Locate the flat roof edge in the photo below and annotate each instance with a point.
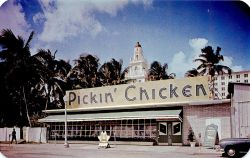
(140, 106)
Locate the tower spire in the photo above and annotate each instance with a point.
(138, 67)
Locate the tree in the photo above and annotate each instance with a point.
(192, 73)
(85, 72)
(20, 72)
(159, 72)
(210, 64)
(54, 84)
(110, 73)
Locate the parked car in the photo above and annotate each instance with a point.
(232, 147)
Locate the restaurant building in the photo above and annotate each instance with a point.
(157, 111)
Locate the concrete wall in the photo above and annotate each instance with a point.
(199, 116)
(36, 134)
(241, 111)
(6, 132)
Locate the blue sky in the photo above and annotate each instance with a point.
(171, 32)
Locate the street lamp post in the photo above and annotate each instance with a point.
(66, 144)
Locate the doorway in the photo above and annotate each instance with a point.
(169, 132)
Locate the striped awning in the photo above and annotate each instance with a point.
(153, 114)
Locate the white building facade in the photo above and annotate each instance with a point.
(138, 66)
(240, 110)
(221, 82)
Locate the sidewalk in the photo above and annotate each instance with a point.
(137, 146)
(90, 150)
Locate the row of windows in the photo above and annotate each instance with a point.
(222, 88)
(223, 83)
(121, 129)
(230, 76)
(222, 94)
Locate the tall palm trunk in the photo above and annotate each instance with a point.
(212, 86)
(26, 106)
(47, 101)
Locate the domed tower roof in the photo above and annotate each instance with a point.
(137, 44)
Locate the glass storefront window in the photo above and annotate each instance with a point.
(142, 129)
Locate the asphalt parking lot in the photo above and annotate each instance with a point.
(92, 150)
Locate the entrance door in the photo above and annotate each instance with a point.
(169, 132)
(176, 132)
(163, 135)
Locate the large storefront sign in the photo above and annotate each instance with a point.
(163, 91)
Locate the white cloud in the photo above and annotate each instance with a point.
(65, 18)
(182, 62)
(236, 68)
(2, 1)
(38, 18)
(111, 7)
(228, 61)
(197, 44)
(146, 3)
(12, 17)
(179, 64)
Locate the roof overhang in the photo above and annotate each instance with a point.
(173, 115)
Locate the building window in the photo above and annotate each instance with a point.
(222, 83)
(176, 126)
(238, 81)
(223, 88)
(139, 129)
(245, 75)
(245, 81)
(237, 76)
(223, 94)
(230, 76)
(222, 77)
(215, 78)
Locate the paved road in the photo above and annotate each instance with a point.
(116, 151)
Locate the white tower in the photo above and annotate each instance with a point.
(138, 67)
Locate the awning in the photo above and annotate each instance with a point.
(159, 114)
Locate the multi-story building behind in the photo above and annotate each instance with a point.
(221, 82)
(138, 66)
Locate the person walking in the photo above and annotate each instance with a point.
(13, 135)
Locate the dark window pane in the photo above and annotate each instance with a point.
(163, 129)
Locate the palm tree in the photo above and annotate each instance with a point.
(85, 72)
(105, 74)
(192, 73)
(159, 72)
(28, 80)
(54, 84)
(110, 73)
(210, 64)
(17, 62)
